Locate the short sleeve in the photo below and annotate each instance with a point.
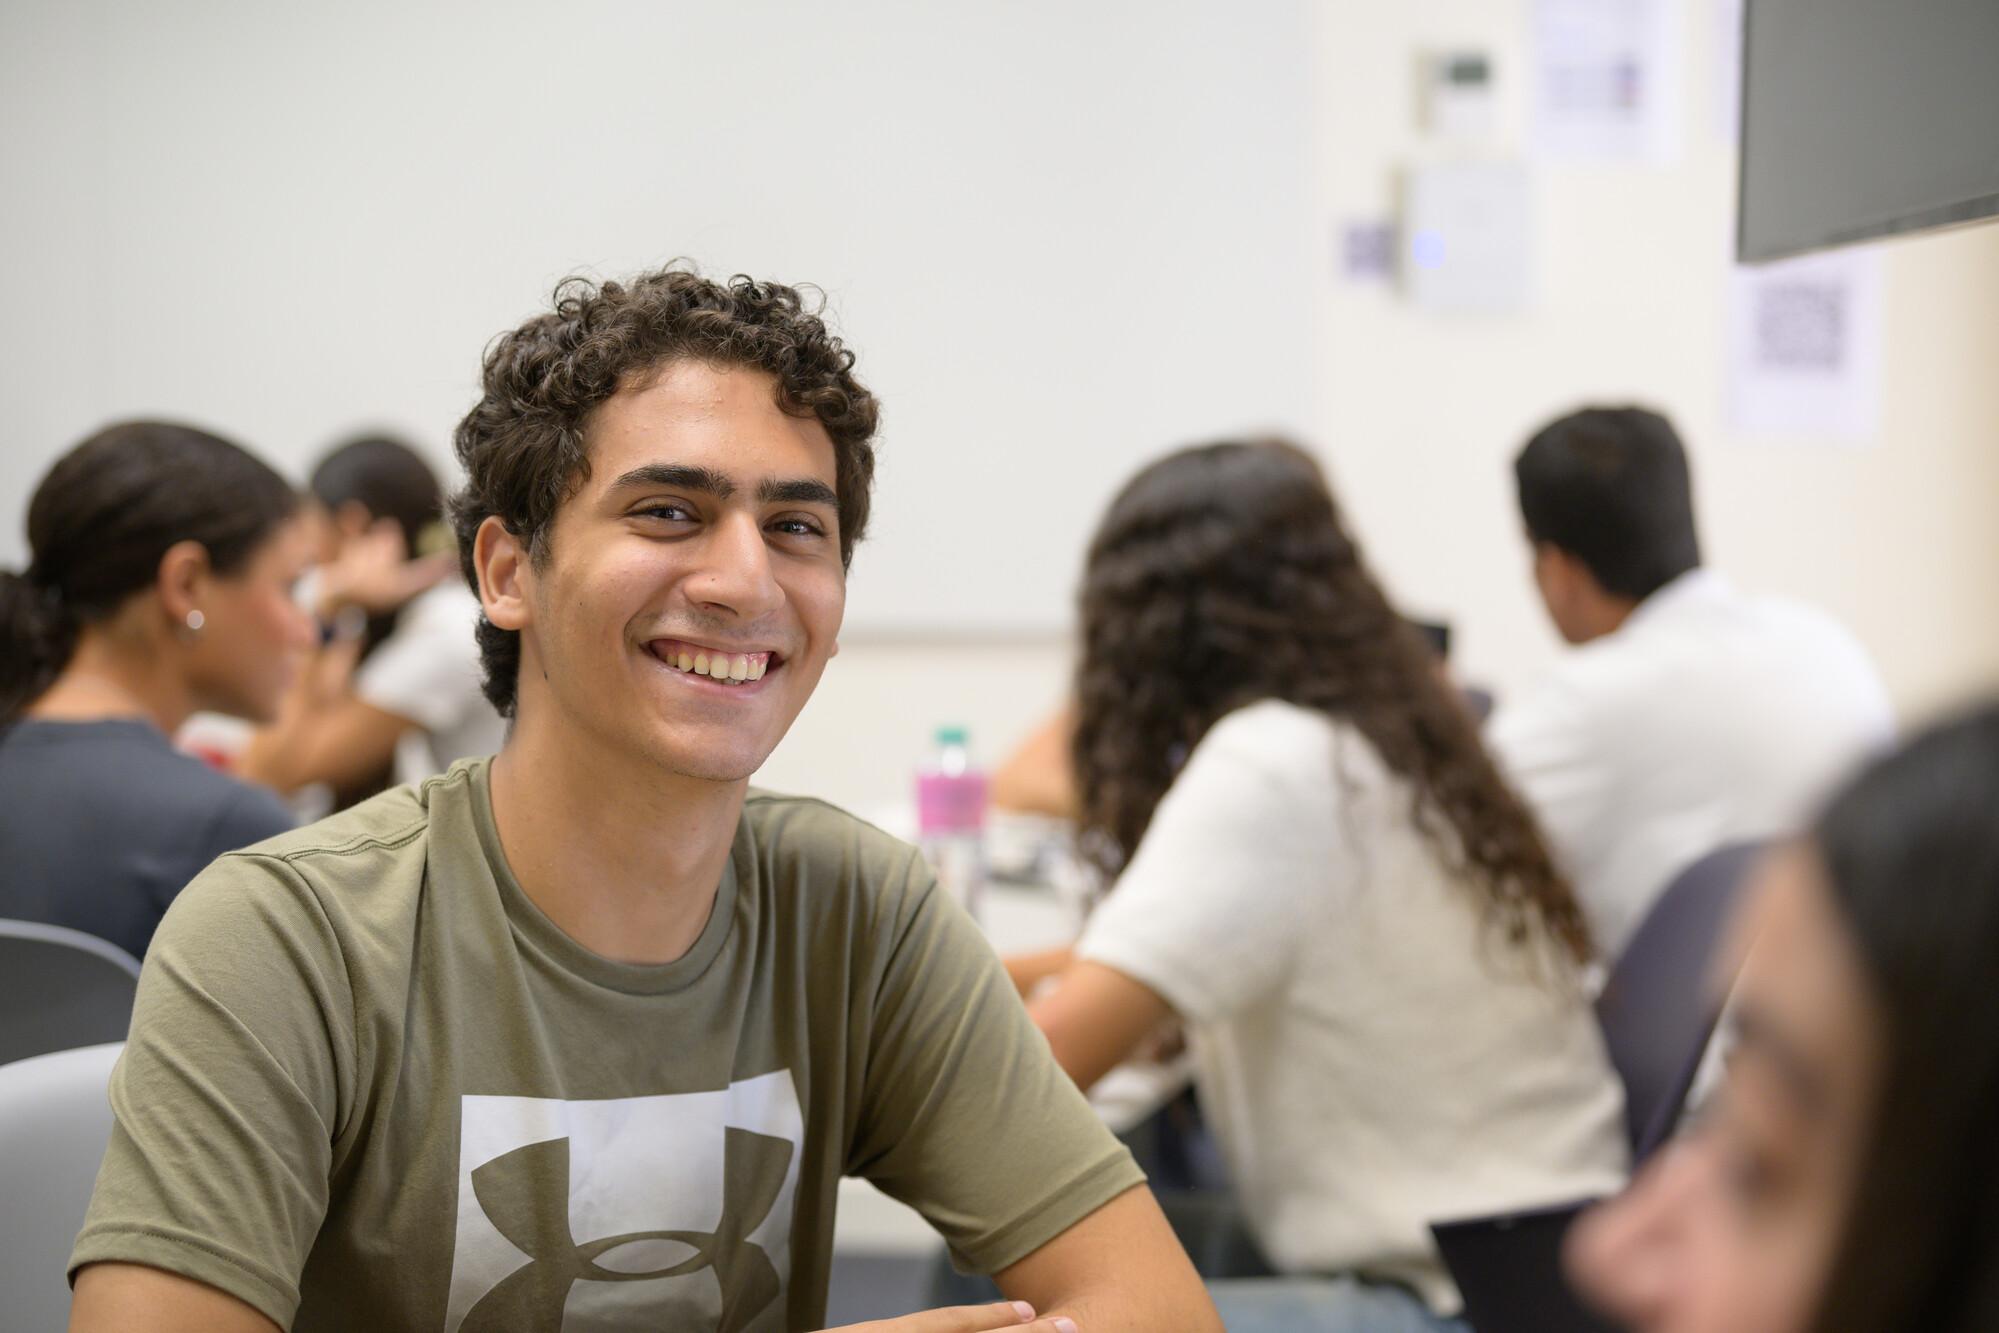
(965, 1115)
(427, 671)
(1242, 856)
(230, 1092)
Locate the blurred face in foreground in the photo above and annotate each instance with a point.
(1733, 1228)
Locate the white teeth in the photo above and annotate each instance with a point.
(729, 670)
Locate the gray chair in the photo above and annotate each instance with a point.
(55, 1119)
(61, 988)
(1656, 1010)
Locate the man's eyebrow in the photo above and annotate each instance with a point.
(678, 476)
(801, 490)
(1755, 1033)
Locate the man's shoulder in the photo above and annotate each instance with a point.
(359, 861)
(792, 827)
(810, 851)
(395, 820)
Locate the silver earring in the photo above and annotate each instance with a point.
(195, 620)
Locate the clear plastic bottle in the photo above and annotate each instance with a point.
(951, 818)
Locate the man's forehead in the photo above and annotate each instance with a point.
(724, 420)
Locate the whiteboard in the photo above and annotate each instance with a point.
(1062, 237)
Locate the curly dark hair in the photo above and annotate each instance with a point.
(1221, 576)
(523, 444)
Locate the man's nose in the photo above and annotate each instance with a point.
(735, 574)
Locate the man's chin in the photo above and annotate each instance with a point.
(707, 765)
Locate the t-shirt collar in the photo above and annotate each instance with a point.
(533, 928)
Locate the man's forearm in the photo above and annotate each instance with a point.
(1119, 1270)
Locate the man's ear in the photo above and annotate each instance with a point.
(182, 579)
(501, 561)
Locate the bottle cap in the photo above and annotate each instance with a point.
(951, 735)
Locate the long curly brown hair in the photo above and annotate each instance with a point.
(1221, 576)
(522, 445)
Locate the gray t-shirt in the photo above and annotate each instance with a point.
(103, 823)
(370, 1086)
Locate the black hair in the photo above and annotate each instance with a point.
(387, 478)
(1910, 851)
(1610, 486)
(99, 523)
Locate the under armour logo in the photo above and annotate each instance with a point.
(626, 1213)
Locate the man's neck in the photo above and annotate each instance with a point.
(625, 859)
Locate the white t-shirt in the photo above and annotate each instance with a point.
(1372, 1055)
(1707, 718)
(427, 671)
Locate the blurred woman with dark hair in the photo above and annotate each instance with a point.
(1847, 1177)
(162, 566)
(1318, 871)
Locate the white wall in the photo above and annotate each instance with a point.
(1043, 226)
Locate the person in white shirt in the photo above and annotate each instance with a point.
(416, 701)
(1320, 874)
(1690, 715)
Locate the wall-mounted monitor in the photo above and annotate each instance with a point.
(1864, 118)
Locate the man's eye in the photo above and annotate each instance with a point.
(672, 513)
(799, 527)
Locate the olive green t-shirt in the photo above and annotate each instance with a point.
(370, 1085)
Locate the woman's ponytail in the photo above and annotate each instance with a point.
(37, 636)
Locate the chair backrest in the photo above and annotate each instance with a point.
(55, 1119)
(61, 988)
(1657, 1009)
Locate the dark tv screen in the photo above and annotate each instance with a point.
(1864, 118)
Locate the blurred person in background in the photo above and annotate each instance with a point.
(162, 569)
(1689, 716)
(1318, 872)
(1846, 1179)
(415, 703)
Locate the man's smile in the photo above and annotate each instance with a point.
(735, 667)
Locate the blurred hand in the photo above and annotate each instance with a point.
(374, 573)
(1015, 1315)
(323, 684)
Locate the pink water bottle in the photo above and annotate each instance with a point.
(951, 818)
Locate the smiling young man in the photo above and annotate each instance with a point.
(584, 1037)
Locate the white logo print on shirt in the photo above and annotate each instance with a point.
(626, 1213)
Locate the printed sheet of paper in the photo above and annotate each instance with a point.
(1804, 347)
(1607, 76)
